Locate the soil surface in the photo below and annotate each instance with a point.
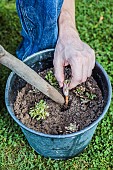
(85, 106)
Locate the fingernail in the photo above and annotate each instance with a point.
(60, 84)
(71, 86)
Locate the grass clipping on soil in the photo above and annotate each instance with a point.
(85, 106)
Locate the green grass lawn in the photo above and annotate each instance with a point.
(15, 152)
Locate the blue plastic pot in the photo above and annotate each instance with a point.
(58, 146)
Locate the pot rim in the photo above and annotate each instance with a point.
(49, 135)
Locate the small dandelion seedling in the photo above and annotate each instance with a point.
(73, 127)
(51, 78)
(85, 95)
(39, 111)
(90, 95)
(79, 91)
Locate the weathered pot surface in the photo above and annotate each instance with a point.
(58, 146)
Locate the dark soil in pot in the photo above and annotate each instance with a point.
(85, 106)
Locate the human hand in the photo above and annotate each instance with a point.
(70, 50)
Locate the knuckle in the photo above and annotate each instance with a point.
(79, 59)
(93, 52)
(86, 60)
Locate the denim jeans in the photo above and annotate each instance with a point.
(39, 21)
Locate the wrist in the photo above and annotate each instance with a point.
(66, 16)
(66, 24)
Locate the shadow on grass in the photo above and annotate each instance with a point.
(9, 39)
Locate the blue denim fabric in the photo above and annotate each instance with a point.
(39, 25)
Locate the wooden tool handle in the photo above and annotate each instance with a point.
(29, 75)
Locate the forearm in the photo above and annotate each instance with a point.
(67, 16)
(70, 50)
